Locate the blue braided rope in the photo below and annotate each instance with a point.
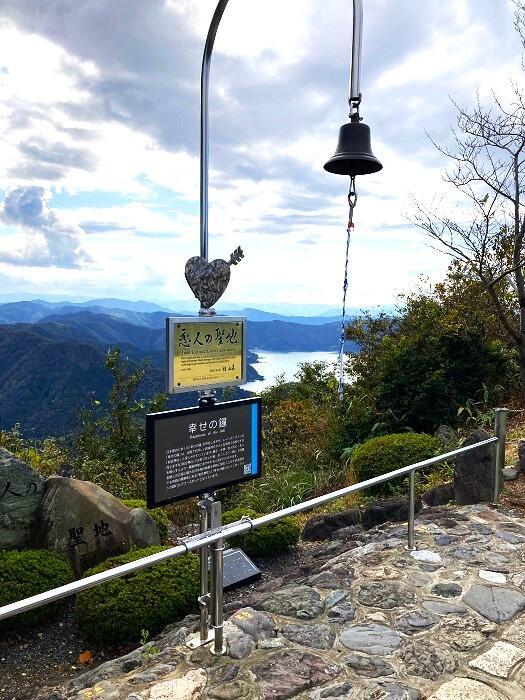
(352, 201)
(343, 318)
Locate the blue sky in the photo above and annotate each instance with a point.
(99, 115)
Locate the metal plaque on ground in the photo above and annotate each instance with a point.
(192, 451)
(205, 353)
(239, 569)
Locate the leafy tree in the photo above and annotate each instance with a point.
(485, 235)
(303, 442)
(113, 433)
(314, 381)
(420, 367)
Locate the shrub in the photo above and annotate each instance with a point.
(304, 431)
(267, 541)
(158, 515)
(116, 612)
(26, 573)
(388, 452)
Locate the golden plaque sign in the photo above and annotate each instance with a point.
(205, 353)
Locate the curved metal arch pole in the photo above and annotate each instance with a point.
(354, 98)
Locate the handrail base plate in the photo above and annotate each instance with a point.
(195, 641)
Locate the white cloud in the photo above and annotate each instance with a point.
(99, 101)
(47, 242)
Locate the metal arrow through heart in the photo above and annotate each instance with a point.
(208, 280)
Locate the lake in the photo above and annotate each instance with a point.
(272, 364)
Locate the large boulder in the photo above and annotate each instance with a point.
(389, 510)
(321, 527)
(82, 521)
(21, 490)
(474, 472)
(439, 495)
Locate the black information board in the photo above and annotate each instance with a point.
(192, 451)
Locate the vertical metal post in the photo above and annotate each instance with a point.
(354, 96)
(411, 510)
(205, 137)
(217, 562)
(205, 505)
(204, 553)
(354, 99)
(500, 431)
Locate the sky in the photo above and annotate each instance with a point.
(99, 123)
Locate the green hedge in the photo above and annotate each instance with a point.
(266, 541)
(388, 452)
(158, 515)
(116, 612)
(26, 573)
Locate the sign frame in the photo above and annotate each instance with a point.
(171, 322)
(152, 418)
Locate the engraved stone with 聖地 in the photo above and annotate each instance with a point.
(21, 490)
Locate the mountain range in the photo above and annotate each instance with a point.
(52, 354)
(33, 311)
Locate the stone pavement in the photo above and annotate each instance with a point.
(363, 619)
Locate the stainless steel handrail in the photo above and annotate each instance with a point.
(245, 525)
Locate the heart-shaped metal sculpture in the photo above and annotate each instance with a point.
(208, 280)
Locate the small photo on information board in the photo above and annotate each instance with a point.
(192, 451)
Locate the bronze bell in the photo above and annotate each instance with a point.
(353, 155)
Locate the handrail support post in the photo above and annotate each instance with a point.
(204, 509)
(217, 573)
(411, 545)
(500, 431)
(204, 504)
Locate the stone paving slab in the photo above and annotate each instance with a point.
(466, 689)
(499, 660)
(515, 634)
(363, 619)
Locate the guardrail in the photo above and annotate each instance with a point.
(216, 536)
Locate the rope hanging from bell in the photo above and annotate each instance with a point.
(352, 201)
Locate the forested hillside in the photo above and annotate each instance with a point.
(52, 356)
(49, 371)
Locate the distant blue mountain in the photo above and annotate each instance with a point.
(140, 306)
(36, 310)
(259, 315)
(188, 306)
(272, 336)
